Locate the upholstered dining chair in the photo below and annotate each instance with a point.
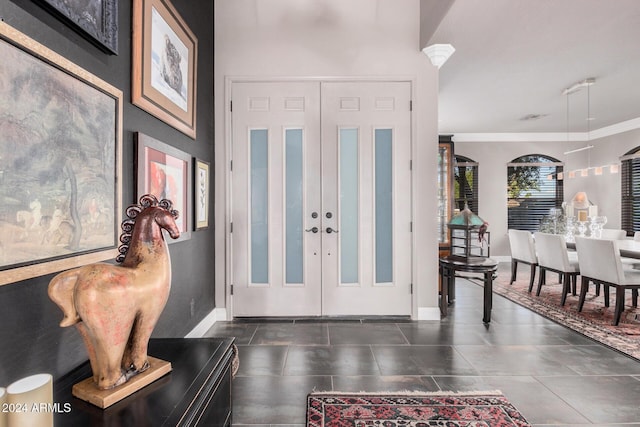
(600, 262)
(554, 256)
(613, 234)
(522, 250)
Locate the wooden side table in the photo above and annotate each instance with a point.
(448, 267)
(197, 392)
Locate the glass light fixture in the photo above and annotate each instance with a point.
(439, 53)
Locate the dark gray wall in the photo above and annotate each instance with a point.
(30, 339)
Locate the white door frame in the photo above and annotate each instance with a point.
(225, 175)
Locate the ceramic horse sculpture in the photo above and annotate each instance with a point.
(116, 307)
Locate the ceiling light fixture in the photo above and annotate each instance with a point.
(439, 53)
(577, 86)
(586, 147)
(588, 82)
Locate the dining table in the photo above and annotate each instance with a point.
(629, 248)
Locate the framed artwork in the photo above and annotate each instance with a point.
(60, 162)
(97, 20)
(164, 60)
(201, 196)
(166, 172)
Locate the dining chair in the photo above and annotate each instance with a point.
(522, 250)
(554, 256)
(600, 262)
(613, 234)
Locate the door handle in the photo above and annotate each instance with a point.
(312, 229)
(331, 230)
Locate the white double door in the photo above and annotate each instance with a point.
(321, 198)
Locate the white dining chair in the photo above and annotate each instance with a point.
(636, 236)
(613, 234)
(522, 250)
(600, 262)
(554, 256)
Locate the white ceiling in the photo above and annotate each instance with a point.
(514, 58)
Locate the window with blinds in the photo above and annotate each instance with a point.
(630, 178)
(534, 186)
(465, 175)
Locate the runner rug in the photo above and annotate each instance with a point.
(412, 409)
(594, 321)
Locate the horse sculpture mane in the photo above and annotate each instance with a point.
(116, 307)
(132, 213)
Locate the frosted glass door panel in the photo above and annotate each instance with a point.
(384, 205)
(294, 206)
(259, 206)
(348, 206)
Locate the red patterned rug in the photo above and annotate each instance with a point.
(412, 409)
(594, 321)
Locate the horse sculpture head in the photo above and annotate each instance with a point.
(151, 212)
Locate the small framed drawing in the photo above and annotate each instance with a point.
(201, 196)
(97, 20)
(166, 172)
(164, 61)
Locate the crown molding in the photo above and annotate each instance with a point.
(615, 129)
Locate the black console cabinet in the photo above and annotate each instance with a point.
(197, 392)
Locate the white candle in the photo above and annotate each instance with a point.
(569, 211)
(29, 402)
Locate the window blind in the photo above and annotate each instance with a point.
(630, 180)
(534, 190)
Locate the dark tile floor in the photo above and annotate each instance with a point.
(554, 376)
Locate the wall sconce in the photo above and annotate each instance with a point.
(438, 53)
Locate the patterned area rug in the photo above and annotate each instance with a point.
(412, 409)
(595, 319)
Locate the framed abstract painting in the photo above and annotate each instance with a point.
(166, 172)
(97, 20)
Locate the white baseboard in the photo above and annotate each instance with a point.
(217, 314)
(428, 313)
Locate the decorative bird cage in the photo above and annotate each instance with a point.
(469, 237)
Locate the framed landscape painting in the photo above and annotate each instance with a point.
(165, 53)
(166, 172)
(60, 162)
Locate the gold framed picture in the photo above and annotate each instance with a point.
(61, 168)
(165, 59)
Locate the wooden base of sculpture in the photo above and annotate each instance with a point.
(88, 391)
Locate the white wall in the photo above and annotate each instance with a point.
(294, 39)
(603, 190)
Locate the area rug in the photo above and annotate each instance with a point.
(412, 409)
(594, 321)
